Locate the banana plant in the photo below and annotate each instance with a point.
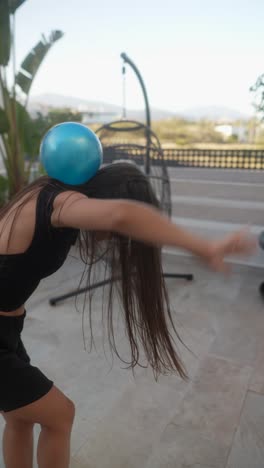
(15, 122)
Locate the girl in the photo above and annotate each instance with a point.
(37, 229)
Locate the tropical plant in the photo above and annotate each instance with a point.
(16, 144)
(258, 89)
(38, 126)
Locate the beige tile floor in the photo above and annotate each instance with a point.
(216, 420)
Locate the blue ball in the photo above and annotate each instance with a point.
(71, 153)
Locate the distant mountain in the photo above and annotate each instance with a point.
(44, 102)
(219, 113)
(57, 100)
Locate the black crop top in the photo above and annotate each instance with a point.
(21, 273)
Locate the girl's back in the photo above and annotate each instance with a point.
(17, 227)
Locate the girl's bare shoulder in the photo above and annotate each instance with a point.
(67, 196)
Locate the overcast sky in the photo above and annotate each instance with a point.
(190, 53)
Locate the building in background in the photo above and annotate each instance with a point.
(233, 130)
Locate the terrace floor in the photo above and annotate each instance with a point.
(215, 420)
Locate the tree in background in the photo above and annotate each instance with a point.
(258, 89)
(186, 132)
(42, 123)
(256, 129)
(16, 126)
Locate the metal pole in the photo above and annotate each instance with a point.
(148, 121)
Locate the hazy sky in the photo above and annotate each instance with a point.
(190, 53)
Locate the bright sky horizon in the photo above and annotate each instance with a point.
(190, 54)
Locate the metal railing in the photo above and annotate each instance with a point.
(207, 158)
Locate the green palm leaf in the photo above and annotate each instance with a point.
(4, 124)
(3, 190)
(14, 4)
(32, 62)
(5, 33)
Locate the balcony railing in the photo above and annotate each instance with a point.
(207, 158)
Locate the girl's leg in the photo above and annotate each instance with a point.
(18, 444)
(55, 413)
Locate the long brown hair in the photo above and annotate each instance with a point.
(133, 268)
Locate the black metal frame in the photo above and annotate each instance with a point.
(124, 150)
(147, 108)
(53, 301)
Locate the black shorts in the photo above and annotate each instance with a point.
(20, 382)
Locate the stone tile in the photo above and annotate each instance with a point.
(78, 438)
(248, 446)
(197, 343)
(214, 302)
(236, 343)
(239, 332)
(257, 380)
(213, 402)
(193, 311)
(186, 448)
(124, 438)
(75, 464)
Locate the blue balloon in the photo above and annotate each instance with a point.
(71, 152)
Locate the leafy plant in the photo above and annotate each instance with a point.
(17, 145)
(258, 89)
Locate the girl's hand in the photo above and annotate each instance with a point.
(238, 243)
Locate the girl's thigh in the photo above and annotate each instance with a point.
(54, 410)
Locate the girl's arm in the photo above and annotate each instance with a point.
(145, 223)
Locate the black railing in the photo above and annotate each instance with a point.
(222, 159)
(207, 158)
